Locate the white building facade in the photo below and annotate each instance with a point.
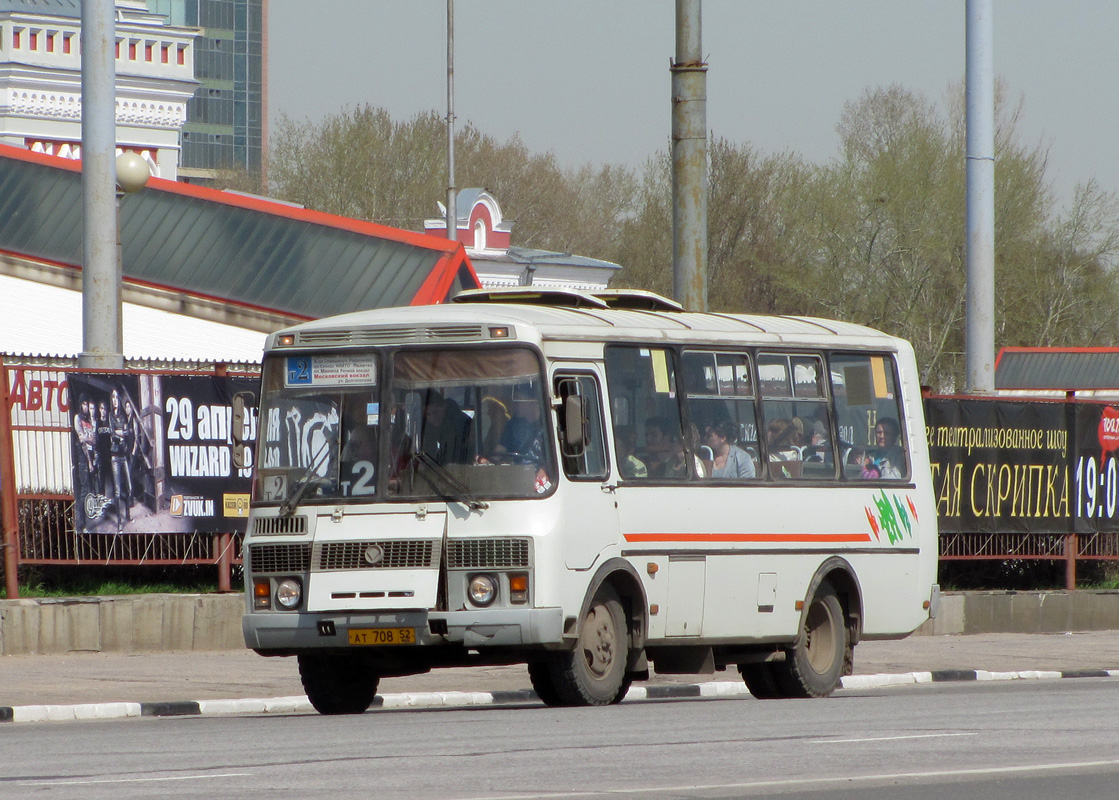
(40, 80)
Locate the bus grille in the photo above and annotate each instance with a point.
(487, 553)
(404, 334)
(272, 526)
(405, 554)
(265, 558)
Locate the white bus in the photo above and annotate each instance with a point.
(591, 485)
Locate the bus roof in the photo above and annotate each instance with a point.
(567, 315)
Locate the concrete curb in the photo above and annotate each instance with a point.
(152, 623)
(426, 700)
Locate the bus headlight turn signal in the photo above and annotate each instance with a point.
(518, 587)
(262, 594)
(289, 593)
(482, 590)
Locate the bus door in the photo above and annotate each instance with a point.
(590, 513)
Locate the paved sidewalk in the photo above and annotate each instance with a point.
(172, 677)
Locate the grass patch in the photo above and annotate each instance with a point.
(97, 581)
(109, 588)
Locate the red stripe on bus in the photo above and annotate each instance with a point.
(747, 537)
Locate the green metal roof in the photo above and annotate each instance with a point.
(1063, 368)
(244, 250)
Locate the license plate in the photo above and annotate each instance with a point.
(379, 636)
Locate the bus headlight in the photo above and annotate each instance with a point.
(289, 592)
(482, 590)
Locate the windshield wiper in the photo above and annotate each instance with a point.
(308, 479)
(461, 494)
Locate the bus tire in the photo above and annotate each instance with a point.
(594, 672)
(761, 680)
(540, 674)
(337, 684)
(814, 665)
(623, 690)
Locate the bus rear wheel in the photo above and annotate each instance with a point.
(594, 672)
(815, 664)
(337, 684)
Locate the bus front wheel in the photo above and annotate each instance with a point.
(761, 680)
(815, 664)
(337, 684)
(594, 672)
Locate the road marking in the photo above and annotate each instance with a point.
(791, 782)
(136, 780)
(893, 738)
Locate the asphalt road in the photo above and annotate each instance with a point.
(981, 741)
(232, 674)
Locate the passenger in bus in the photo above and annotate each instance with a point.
(523, 439)
(780, 436)
(629, 465)
(360, 442)
(730, 460)
(660, 445)
(818, 448)
(798, 437)
(494, 418)
(819, 433)
(676, 466)
(446, 430)
(888, 455)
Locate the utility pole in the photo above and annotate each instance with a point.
(980, 308)
(689, 160)
(102, 346)
(452, 212)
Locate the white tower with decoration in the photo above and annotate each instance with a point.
(487, 238)
(40, 80)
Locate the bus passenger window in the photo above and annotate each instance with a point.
(868, 412)
(798, 428)
(643, 397)
(720, 403)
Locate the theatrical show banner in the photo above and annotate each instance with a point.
(1033, 466)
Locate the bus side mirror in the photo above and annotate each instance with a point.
(242, 402)
(574, 425)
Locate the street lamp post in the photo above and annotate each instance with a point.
(104, 321)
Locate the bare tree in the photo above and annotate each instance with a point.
(874, 236)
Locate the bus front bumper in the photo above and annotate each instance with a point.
(279, 631)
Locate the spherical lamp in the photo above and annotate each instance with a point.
(132, 172)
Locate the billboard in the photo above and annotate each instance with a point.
(1024, 466)
(153, 453)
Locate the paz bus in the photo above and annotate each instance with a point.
(593, 485)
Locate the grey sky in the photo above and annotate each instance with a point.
(589, 81)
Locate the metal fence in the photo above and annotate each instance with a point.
(37, 493)
(36, 479)
(1067, 547)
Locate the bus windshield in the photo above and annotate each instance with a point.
(457, 425)
(468, 423)
(319, 428)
